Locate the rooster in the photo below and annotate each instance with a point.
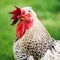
(32, 41)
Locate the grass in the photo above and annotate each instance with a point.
(7, 32)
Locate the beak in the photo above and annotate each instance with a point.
(22, 19)
(14, 22)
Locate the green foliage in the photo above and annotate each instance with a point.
(46, 11)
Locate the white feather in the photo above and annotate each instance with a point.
(53, 55)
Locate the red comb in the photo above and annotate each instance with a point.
(16, 14)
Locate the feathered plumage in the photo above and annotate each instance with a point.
(33, 40)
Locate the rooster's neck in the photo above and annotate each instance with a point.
(42, 30)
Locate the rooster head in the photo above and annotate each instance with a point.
(24, 16)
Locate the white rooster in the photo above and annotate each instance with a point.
(32, 42)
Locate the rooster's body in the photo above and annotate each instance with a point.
(35, 42)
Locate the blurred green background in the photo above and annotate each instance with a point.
(48, 11)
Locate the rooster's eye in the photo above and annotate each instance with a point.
(29, 11)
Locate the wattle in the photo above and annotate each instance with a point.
(22, 27)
